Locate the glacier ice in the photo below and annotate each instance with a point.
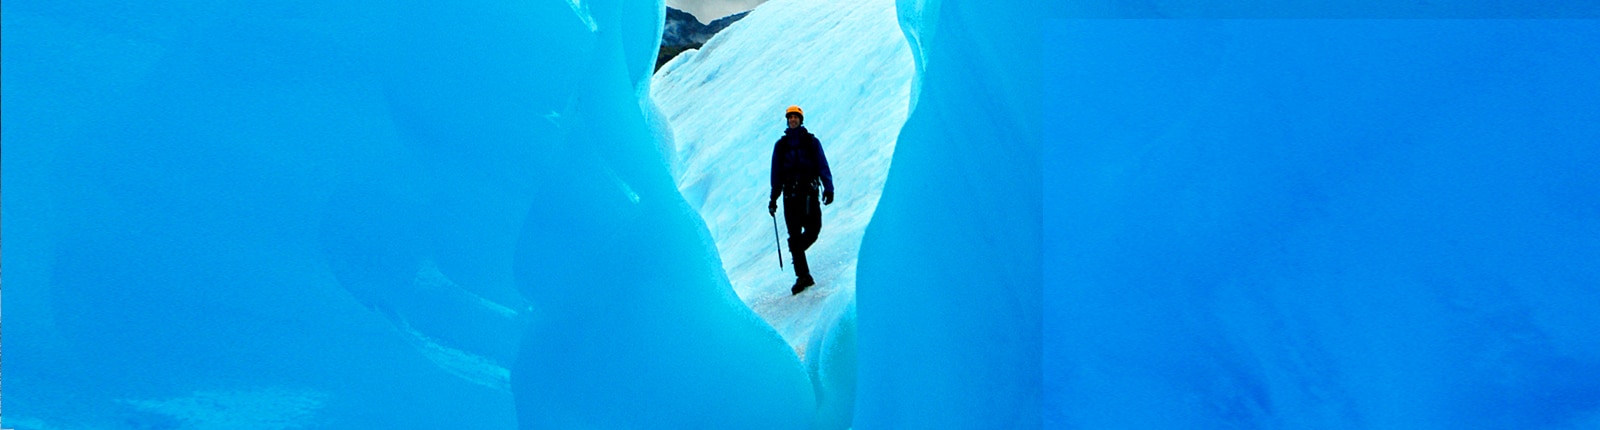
(939, 355)
(846, 64)
(1322, 224)
(637, 326)
(466, 215)
(947, 297)
(176, 207)
(384, 217)
(1319, 9)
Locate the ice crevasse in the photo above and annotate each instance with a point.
(458, 215)
(848, 66)
(956, 284)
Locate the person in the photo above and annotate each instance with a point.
(798, 166)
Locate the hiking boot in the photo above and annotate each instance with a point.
(800, 285)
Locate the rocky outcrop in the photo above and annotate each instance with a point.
(683, 32)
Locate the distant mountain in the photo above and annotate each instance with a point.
(708, 10)
(684, 29)
(683, 32)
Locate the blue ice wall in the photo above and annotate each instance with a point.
(1323, 9)
(1322, 224)
(637, 327)
(948, 281)
(408, 215)
(221, 212)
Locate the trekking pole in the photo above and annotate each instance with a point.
(776, 242)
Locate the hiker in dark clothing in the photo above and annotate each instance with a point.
(798, 165)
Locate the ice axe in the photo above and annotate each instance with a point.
(776, 242)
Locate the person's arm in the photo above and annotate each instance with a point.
(826, 174)
(772, 204)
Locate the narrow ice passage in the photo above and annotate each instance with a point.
(847, 64)
(457, 215)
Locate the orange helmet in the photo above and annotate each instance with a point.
(794, 110)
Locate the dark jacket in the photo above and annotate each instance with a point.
(798, 162)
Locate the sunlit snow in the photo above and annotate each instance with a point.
(848, 66)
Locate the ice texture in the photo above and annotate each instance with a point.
(224, 215)
(465, 215)
(1323, 9)
(947, 294)
(1321, 224)
(636, 324)
(425, 215)
(846, 63)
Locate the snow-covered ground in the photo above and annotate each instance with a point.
(845, 63)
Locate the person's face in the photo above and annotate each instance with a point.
(794, 120)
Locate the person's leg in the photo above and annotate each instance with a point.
(808, 218)
(811, 224)
(795, 218)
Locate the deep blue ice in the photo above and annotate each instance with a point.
(1323, 224)
(457, 215)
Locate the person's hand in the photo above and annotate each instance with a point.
(827, 197)
(772, 207)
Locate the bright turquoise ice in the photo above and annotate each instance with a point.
(459, 215)
(948, 285)
(411, 215)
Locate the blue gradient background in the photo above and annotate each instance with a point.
(1322, 224)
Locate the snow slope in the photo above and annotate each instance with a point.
(848, 66)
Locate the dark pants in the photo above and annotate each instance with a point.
(803, 216)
